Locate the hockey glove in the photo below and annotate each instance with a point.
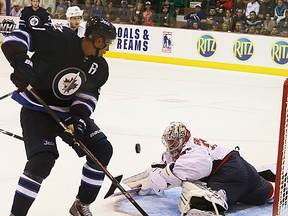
(77, 126)
(139, 181)
(162, 179)
(23, 71)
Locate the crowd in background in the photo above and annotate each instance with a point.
(265, 17)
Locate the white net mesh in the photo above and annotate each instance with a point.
(280, 207)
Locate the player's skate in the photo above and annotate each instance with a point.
(80, 209)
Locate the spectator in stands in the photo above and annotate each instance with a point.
(228, 19)
(215, 26)
(97, 9)
(266, 6)
(239, 28)
(123, 12)
(60, 13)
(86, 15)
(253, 5)
(268, 24)
(16, 9)
(61, 3)
(137, 14)
(87, 7)
(148, 15)
(239, 16)
(253, 21)
(195, 26)
(284, 33)
(194, 16)
(224, 4)
(283, 23)
(238, 4)
(279, 11)
(207, 4)
(166, 17)
(109, 11)
(225, 27)
(274, 31)
(207, 23)
(252, 30)
(75, 3)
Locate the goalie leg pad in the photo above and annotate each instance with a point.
(198, 196)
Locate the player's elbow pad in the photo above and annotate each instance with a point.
(11, 49)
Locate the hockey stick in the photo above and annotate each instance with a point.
(11, 134)
(6, 95)
(87, 151)
(113, 187)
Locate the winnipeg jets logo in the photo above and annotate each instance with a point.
(34, 20)
(67, 82)
(70, 84)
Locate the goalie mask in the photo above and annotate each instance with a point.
(174, 138)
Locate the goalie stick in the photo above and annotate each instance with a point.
(86, 151)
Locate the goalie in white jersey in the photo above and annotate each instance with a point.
(212, 177)
(75, 17)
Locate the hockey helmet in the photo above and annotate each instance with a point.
(74, 11)
(174, 137)
(98, 26)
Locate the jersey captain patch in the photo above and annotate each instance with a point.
(67, 82)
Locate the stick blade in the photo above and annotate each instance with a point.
(113, 187)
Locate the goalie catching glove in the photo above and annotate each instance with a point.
(155, 179)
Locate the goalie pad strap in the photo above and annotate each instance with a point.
(198, 196)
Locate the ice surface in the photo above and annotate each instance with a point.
(136, 104)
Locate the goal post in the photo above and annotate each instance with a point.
(280, 205)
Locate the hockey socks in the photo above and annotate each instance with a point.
(25, 195)
(91, 183)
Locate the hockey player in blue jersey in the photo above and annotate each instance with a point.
(67, 72)
(34, 15)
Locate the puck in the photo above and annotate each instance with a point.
(137, 148)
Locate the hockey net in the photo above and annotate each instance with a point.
(280, 206)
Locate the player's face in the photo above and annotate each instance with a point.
(104, 46)
(174, 148)
(75, 22)
(35, 4)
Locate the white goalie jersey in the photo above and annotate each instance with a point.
(196, 159)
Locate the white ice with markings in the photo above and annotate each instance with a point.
(137, 103)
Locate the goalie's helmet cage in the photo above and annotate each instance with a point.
(98, 26)
(174, 138)
(74, 11)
